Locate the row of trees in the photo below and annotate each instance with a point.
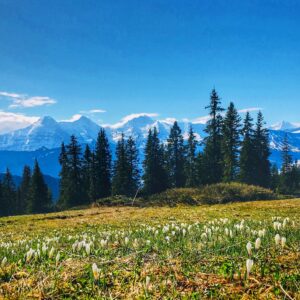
(31, 196)
(233, 150)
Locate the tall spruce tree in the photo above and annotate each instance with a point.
(286, 157)
(176, 157)
(92, 191)
(247, 159)
(102, 166)
(9, 193)
(288, 175)
(120, 179)
(230, 143)
(155, 176)
(64, 188)
(24, 190)
(76, 195)
(212, 149)
(261, 153)
(87, 173)
(191, 161)
(39, 200)
(134, 171)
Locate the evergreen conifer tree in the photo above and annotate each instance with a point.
(39, 201)
(191, 161)
(64, 197)
(102, 166)
(261, 153)
(87, 173)
(155, 176)
(230, 143)
(247, 159)
(9, 194)
(212, 150)
(176, 157)
(24, 190)
(120, 179)
(75, 195)
(134, 172)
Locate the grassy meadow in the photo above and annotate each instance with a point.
(247, 250)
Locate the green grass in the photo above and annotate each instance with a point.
(185, 252)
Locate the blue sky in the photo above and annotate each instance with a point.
(63, 57)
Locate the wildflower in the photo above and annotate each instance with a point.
(51, 252)
(249, 265)
(249, 248)
(29, 254)
(147, 285)
(44, 249)
(96, 271)
(283, 242)
(57, 258)
(257, 243)
(126, 240)
(277, 239)
(103, 243)
(88, 249)
(4, 261)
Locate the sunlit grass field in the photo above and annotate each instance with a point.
(242, 250)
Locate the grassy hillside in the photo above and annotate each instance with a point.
(185, 252)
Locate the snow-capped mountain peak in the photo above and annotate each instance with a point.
(285, 126)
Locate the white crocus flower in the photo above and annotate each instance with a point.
(283, 242)
(4, 261)
(96, 271)
(249, 265)
(51, 252)
(249, 248)
(257, 243)
(277, 239)
(57, 258)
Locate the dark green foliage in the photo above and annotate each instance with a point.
(24, 190)
(92, 190)
(286, 156)
(9, 195)
(261, 154)
(120, 180)
(126, 173)
(289, 178)
(212, 151)
(230, 143)
(64, 177)
(155, 175)
(247, 154)
(39, 197)
(275, 178)
(87, 172)
(134, 172)
(102, 166)
(176, 157)
(191, 166)
(72, 188)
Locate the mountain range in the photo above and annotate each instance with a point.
(42, 139)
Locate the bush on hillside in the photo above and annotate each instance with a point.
(212, 194)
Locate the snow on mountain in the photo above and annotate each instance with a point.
(46, 132)
(83, 128)
(285, 126)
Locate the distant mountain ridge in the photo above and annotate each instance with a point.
(43, 138)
